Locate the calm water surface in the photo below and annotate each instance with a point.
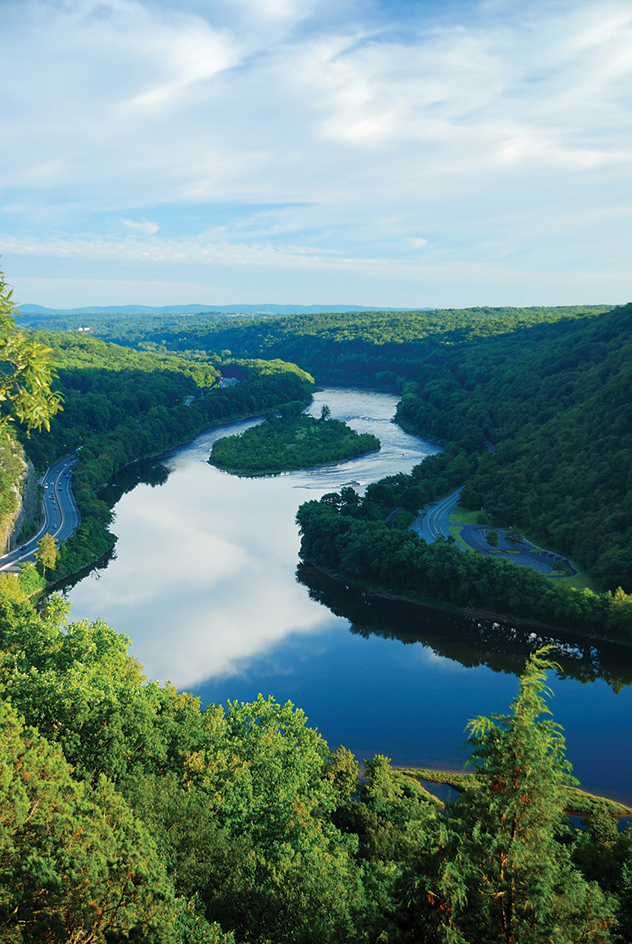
(205, 585)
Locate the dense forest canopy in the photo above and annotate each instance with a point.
(289, 441)
(131, 814)
(452, 326)
(121, 405)
(549, 389)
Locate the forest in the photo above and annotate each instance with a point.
(288, 441)
(130, 814)
(353, 538)
(536, 402)
(532, 407)
(120, 405)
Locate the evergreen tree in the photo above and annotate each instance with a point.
(508, 877)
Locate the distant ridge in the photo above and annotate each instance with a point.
(198, 310)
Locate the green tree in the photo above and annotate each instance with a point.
(492, 538)
(26, 374)
(46, 552)
(75, 863)
(514, 536)
(510, 879)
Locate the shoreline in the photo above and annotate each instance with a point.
(476, 612)
(173, 450)
(299, 468)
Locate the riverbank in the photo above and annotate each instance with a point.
(523, 622)
(113, 451)
(204, 583)
(578, 802)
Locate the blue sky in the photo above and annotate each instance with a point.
(409, 154)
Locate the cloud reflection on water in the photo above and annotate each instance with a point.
(204, 577)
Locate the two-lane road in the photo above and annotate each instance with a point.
(61, 515)
(434, 523)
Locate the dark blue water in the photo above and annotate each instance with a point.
(205, 585)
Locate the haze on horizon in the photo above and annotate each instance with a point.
(395, 153)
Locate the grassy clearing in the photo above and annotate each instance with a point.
(580, 582)
(463, 516)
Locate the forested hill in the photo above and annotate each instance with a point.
(550, 389)
(365, 347)
(558, 405)
(121, 405)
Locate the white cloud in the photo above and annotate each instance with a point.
(191, 56)
(361, 130)
(141, 226)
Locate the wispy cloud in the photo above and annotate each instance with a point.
(348, 127)
(141, 226)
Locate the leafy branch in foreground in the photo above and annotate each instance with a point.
(26, 373)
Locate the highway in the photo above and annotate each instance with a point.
(433, 522)
(61, 515)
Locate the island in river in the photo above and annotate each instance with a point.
(287, 442)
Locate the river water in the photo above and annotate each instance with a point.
(205, 584)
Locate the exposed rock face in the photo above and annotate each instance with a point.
(20, 500)
(29, 504)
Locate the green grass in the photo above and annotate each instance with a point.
(455, 531)
(578, 802)
(580, 582)
(463, 516)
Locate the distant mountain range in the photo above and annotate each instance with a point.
(197, 310)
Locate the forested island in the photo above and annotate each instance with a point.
(120, 405)
(286, 441)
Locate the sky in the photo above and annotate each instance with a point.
(407, 154)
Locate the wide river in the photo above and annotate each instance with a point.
(204, 582)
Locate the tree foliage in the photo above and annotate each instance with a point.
(510, 879)
(46, 552)
(128, 813)
(287, 442)
(26, 373)
(350, 537)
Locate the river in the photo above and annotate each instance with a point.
(205, 584)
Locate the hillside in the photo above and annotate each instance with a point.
(549, 389)
(121, 405)
(130, 814)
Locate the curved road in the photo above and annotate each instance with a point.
(433, 523)
(61, 515)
